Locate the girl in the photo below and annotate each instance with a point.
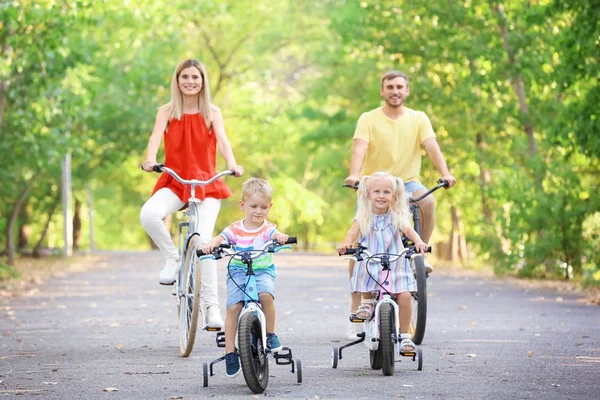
(381, 218)
(193, 131)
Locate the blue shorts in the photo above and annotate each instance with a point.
(265, 283)
(413, 186)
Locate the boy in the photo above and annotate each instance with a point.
(250, 233)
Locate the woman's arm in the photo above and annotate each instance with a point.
(160, 124)
(223, 143)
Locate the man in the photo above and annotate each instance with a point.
(389, 138)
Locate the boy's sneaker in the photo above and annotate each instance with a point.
(273, 342)
(232, 364)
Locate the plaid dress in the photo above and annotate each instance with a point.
(383, 239)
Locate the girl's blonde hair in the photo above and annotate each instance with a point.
(398, 209)
(175, 106)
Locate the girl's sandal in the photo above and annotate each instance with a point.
(407, 347)
(364, 311)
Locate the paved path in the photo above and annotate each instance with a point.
(114, 327)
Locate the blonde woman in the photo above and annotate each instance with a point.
(381, 218)
(193, 130)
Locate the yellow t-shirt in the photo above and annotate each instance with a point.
(394, 145)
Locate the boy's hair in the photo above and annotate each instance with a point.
(257, 186)
(398, 209)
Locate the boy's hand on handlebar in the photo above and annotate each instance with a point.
(281, 237)
(450, 179)
(147, 165)
(239, 170)
(421, 247)
(210, 246)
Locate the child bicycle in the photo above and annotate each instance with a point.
(188, 286)
(419, 298)
(252, 332)
(381, 331)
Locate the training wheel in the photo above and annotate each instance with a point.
(419, 359)
(299, 370)
(205, 374)
(335, 355)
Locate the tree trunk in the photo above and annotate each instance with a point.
(457, 249)
(12, 218)
(24, 228)
(36, 249)
(77, 225)
(484, 179)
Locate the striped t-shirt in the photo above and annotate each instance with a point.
(251, 239)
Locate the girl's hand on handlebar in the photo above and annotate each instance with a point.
(281, 237)
(147, 165)
(421, 247)
(341, 249)
(239, 170)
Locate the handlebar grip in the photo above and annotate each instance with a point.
(428, 249)
(349, 250)
(158, 167)
(292, 240)
(443, 182)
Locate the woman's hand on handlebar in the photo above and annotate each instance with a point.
(421, 247)
(147, 165)
(239, 170)
(281, 237)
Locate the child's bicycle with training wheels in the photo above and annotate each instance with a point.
(419, 298)
(252, 331)
(189, 281)
(381, 331)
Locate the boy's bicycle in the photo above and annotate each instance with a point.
(189, 281)
(381, 332)
(252, 332)
(419, 298)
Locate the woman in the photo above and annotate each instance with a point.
(193, 130)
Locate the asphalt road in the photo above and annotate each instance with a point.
(112, 333)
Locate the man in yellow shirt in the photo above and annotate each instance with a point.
(389, 138)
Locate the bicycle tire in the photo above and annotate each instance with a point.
(386, 338)
(375, 358)
(419, 301)
(189, 302)
(253, 357)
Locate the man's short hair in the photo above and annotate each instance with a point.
(393, 75)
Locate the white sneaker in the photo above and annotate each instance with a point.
(354, 329)
(213, 317)
(168, 275)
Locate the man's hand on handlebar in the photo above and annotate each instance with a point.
(351, 180)
(450, 179)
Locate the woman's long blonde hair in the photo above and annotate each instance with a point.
(398, 209)
(175, 106)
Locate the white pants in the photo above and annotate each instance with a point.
(164, 202)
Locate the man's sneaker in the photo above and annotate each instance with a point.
(168, 275)
(428, 268)
(273, 342)
(232, 364)
(213, 317)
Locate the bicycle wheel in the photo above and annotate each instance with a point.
(255, 364)
(386, 338)
(375, 358)
(419, 301)
(189, 302)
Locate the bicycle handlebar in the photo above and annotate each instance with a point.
(272, 246)
(357, 251)
(441, 183)
(193, 182)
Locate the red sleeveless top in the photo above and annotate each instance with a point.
(191, 150)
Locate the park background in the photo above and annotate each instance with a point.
(511, 88)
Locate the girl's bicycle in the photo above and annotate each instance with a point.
(252, 332)
(419, 298)
(189, 282)
(381, 332)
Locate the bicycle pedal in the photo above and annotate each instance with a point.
(220, 339)
(283, 356)
(355, 320)
(411, 354)
(213, 329)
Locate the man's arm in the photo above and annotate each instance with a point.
(359, 150)
(437, 158)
